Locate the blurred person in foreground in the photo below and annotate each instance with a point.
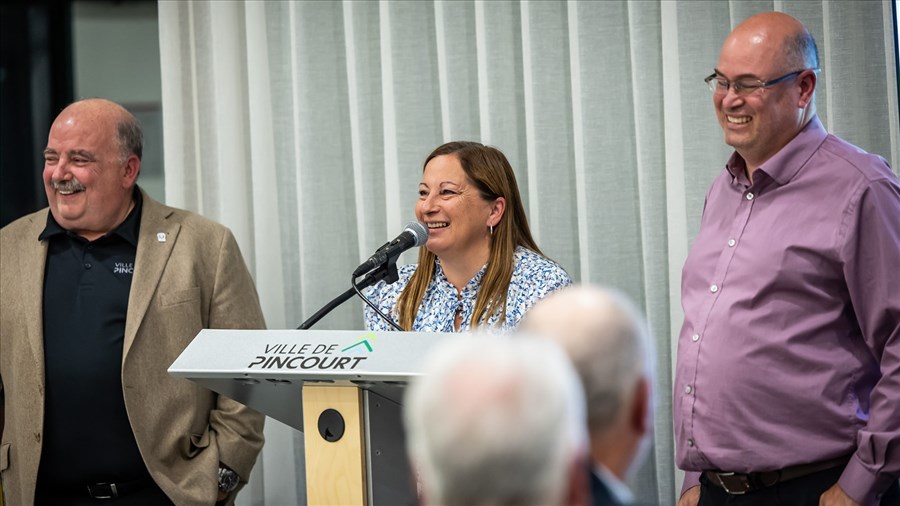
(100, 293)
(607, 340)
(497, 420)
(787, 384)
(480, 265)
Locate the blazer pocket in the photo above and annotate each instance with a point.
(4, 457)
(179, 297)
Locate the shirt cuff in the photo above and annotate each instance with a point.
(691, 479)
(861, 485)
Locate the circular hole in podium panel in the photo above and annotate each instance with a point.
(331, 425)
(247, 381)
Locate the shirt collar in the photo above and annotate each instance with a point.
(785, 164)
(618, 489)
(471, 286)
(127, 230)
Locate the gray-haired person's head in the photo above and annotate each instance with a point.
(495, 420)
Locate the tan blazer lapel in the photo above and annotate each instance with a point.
(33, 262)
(155, 242)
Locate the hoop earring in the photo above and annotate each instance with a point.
(492, 229)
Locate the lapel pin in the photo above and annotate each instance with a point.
(161, 236)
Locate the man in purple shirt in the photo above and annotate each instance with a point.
(787, 386)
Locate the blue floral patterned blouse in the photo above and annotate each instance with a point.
(533, 278)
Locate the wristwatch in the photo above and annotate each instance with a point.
(228, 480)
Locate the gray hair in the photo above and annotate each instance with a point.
(495, 420)
(130, 137)
(801, 50)
(607, 340)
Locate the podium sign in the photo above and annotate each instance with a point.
(283, 373)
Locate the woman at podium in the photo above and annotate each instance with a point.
(480, 267)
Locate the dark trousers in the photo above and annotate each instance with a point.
(802, 491)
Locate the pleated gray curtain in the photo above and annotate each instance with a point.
(303, 126)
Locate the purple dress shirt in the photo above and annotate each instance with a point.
(790, 349)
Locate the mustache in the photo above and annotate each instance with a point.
(71, 185)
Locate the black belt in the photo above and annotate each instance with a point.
(741, 483)
(116, 490)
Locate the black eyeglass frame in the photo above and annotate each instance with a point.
(712, 81)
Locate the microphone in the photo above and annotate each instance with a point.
(415, 234)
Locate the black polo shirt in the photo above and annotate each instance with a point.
(87, 437)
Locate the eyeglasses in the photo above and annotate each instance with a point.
(743, 87)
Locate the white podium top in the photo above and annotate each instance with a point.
(266, 369)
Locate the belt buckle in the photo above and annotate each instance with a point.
(733, 483)
(103, 491)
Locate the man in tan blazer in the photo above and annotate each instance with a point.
(99, 294)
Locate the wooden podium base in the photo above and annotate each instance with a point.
(335, 471)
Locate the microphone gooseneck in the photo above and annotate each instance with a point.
(379, 266)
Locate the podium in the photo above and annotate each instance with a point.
(343, 389)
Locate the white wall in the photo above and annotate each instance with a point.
(116, 56)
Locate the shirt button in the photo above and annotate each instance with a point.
(691, 443)
(688, 389)
(731, 242)
(714, 288)
(749, 196)
(695, 337)
(87, 265)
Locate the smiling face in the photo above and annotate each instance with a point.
(457, 216)
(759, 124)
(87, 179)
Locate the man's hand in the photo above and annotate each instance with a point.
(691, 497)
(834, 496)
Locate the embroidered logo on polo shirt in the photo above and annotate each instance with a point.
(123, 268)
